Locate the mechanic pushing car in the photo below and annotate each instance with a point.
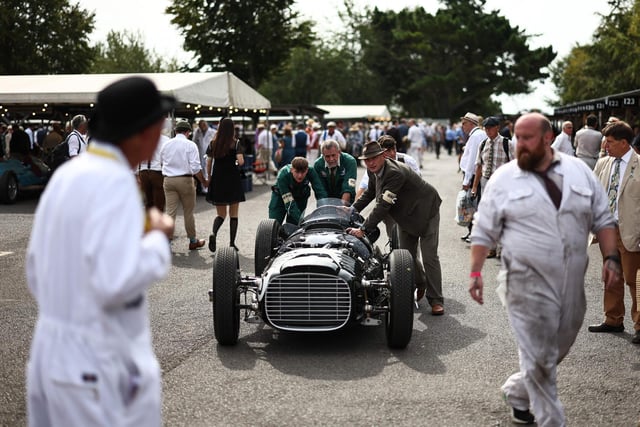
(292, 190)
(415, 206)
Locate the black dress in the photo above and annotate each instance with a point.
(225, 187)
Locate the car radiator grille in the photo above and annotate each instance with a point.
(308, 302)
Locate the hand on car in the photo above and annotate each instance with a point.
(358, 232)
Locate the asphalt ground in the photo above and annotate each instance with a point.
(449, 375)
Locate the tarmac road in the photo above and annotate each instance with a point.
(449, 375)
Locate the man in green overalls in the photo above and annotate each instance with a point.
(292, 190)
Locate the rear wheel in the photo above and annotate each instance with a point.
(266, 243)
(226, 299)
(8, 188)
(399, 319)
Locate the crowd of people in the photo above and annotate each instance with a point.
(539, 198)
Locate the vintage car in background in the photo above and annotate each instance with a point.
(314, 278)
(17, 176)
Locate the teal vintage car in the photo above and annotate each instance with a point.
(21, 175)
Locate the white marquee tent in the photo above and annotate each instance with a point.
(362, 112)
(198, 90)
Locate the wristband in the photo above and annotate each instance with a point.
(614, 258)
(475, 274)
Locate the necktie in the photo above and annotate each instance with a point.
(490, 162)
(552, 189)
(613, 186)
(333, 177)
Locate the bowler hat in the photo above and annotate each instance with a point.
(470, 117)
(126, 107)
(491, 121)
(371, 149)
(183, 125)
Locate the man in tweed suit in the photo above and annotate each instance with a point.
(619, 174)
(415, 206)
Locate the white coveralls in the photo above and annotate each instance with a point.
(545, 258)
(88, 267)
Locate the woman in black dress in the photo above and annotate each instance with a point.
(225, 188)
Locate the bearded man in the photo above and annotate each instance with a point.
(541, 209)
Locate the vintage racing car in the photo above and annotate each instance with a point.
(316, 277)
(17, 176)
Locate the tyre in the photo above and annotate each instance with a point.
(394, 239)
(399, 319)
(8, 188)
(226, 299)
(266, 243)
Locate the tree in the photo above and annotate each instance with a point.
(124, 52)
(611, 64)
(251, 38)
(445, 64)
(44, 37)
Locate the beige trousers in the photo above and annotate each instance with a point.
(181, 190)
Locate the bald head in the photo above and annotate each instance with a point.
(534, 135)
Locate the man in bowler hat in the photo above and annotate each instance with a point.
(415, 206)
(92, 255)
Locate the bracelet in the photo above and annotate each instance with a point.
(614, 258)
(475, 274)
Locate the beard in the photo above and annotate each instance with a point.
(530, 159)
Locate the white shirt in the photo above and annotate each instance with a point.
(180, 157)
(470, 153)
(203, 140)
(88, 266)
(265, 140)
(77, 143)
(562, 143)
(155, 164)
(415, 136)
(375, 133)
(337, 135)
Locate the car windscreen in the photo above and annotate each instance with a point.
(327, 211)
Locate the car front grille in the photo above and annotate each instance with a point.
(308, 302)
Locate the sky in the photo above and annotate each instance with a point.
(559, 23)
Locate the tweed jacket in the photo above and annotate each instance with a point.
(628, 198)
(402, 194)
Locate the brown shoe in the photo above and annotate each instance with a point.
(419, 294)
(196, 245)
(437, 309)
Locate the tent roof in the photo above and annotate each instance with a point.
(368, 112)
(221, 89)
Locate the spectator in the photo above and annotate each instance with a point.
(332, 133)
(92, 360)
(301, 139)
(288, 148)
(150, 176)
(616, 174)
(415, 206)
(416, 139)
(337, 171)
(76, 138)
(202, 137)
(314, 144)
(562, 142)
(494, 152)
(226, 193)
(292, 190)
(544, 258)
(265, 148)
(588, 141)
(180, 164)
(476, 135)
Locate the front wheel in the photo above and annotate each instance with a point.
(8, 188)
(266, 242)
(226, 299)
(399, 324)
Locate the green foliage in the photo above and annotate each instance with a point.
(44, 37)
(445, 64)
(611, 64)
(125, 52)
(250, 38)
